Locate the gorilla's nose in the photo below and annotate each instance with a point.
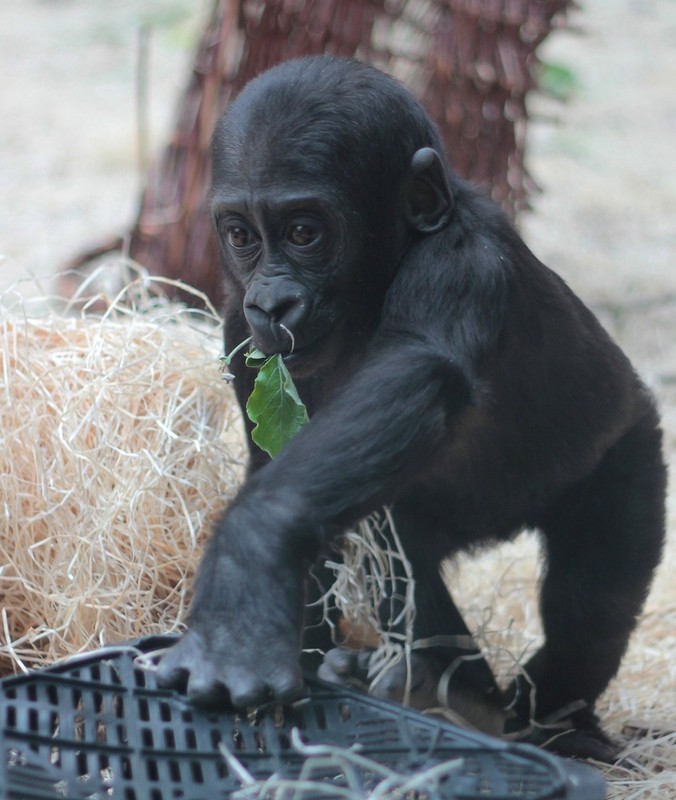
(275, 313)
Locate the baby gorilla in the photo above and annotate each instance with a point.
(447, 373)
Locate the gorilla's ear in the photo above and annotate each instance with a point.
(429, 202)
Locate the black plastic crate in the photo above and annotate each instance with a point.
(97, 726)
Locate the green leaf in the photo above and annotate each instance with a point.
(274, 406)
(256, 358)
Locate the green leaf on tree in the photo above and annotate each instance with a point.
(274, 405)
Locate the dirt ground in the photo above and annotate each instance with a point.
(606, 162)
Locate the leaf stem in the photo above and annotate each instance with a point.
(228, 358)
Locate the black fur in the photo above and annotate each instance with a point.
(447, 372)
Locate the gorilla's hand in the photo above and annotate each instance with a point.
(245, 625)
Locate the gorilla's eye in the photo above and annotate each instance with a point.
(238, 236)
(302, 235)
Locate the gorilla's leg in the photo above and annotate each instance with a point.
(604, 540)
(446, 669)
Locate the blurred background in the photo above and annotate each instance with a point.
(600, 144)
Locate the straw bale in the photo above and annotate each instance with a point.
(119, 442)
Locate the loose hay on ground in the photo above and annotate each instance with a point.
(119, 442)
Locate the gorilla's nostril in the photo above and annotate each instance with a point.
(271, 311)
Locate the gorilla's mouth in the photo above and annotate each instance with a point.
(306, 350)
(315, 353)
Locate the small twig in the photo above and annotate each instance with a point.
(236, 766)
(290, 335)
(228, 358)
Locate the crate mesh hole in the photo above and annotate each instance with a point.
(196, 770)
(78, 728)
(125, 768)
(190, 739)
(117, 706)
(320, 716)
(82, 764)
(151, 769)
(143, 710)
(344, 711)
(278, 716)
(165, 712)
(33, 720)
(122, 737)
(174, 771)
(114, 676)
